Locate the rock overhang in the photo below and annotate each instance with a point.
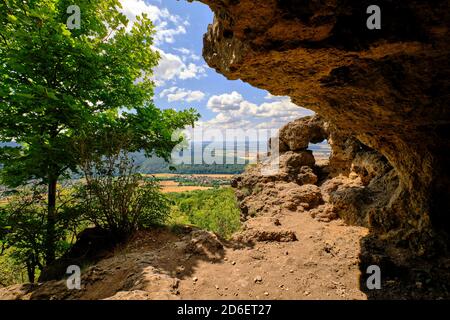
(387, 88)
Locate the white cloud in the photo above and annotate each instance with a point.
(270, 96)
(164, 34)
(187, 54)
(169, 66)
(183, 51)
(234, 112)
(278, 109)
(167, 25)
(181, 94)
(225, 102)
(191, 71)
(172, 67)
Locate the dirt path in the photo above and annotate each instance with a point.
(321, 264)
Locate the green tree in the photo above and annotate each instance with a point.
(23, 226)
(214, 210)
(115, 197)
(58, 84)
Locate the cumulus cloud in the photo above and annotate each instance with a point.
(225, 102)
(234, 112)
(183, 51)
(191, 71)
(180, 94)
(172, 67)
(187, 54)
(167, 25)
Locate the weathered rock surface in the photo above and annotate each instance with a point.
(203, 243)
(356, 182)
(252, 236)
(301, 132)
(388, 89)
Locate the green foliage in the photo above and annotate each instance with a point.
(214, 210)
(23, 223)
(11, 272)
(59, 87)
(118, 199)
(59, 83)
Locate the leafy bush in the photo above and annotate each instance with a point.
(118, 199)
(214, 210)
(11, 271)
(23, 227)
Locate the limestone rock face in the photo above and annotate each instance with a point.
(291, 162)
(306, 176)
(387, 88)
(298, 134)
(355, 184)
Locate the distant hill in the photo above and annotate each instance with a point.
(158, 165)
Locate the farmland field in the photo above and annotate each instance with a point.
(174, 183)
(172, 175)
(173, 186)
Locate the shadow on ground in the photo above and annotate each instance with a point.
(403, 278)
(150, 265)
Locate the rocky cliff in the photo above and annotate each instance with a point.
(388, 89)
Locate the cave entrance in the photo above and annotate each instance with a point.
(321, 151)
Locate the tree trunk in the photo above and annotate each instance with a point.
(30, 271)
(51, 221)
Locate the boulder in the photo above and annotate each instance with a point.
(298, 134)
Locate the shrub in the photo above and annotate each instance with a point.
(214, 210)
(11, 271)
(23, 227)
(118, 199)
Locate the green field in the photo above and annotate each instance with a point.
(214, 210)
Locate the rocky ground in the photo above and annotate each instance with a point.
(287, 256)
(315, 261)
(356, 184)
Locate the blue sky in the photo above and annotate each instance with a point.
(184, 79)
